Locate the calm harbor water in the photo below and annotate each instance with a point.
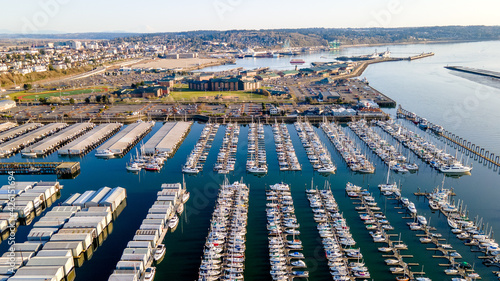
(423, 86)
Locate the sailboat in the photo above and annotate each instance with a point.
(388, 188)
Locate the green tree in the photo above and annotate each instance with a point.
(308, 99)
(51, 67)
(71, 101)
(98, 99)
(27, 87)
(87, 100)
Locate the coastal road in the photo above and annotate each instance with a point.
(96, 71)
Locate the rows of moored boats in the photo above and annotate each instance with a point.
(356, 160)
(336, 237)
(224, 253)
(376, 222)
(472, 232)
(317, 154)
(287, 262)
(420, 224)
(287, 158)
(388, 153)
(226, 158)
(256, 162)
(141, 161)
(427, 151)
(198, 156)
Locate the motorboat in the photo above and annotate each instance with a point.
(149, 273)
(133, 167)
(29, 154)
(189, 170)
(185, 197)
(172, 223)
(159, 252)
(422, 220)
(106, 153)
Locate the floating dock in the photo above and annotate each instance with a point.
(13, 133)
(85, 143)
(462, 144)
(63, 169)
(47, 145)
(121, 142)
(14, 145)
(167, 138)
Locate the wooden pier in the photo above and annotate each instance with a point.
(62, 169)
(462, 143)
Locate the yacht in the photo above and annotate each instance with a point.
(30, 154)
(422, 220)
(172, 223)
(180, 209)
(149, 273)
(327, 169)
(189, 170)
(133, 167)
(106, 153)
(258, 170)
(185, 197)
(455, 168)
(159, 252)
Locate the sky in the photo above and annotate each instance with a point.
(72, 16)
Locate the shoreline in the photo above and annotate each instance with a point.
(413, 43)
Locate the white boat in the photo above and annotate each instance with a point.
(327, 169)
(149, 273)
(189, 170)
(258, 170)
(455, 168)
(185, 197)
(422, 220)
(133, 167)
(104, 153)
(172, 223)
(180, 209)
(159, 252)
(30, 154)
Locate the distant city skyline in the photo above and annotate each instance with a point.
(71, 16)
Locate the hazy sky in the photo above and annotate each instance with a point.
(166, 15)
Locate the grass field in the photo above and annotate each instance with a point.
(186, 95)
(31, 96)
